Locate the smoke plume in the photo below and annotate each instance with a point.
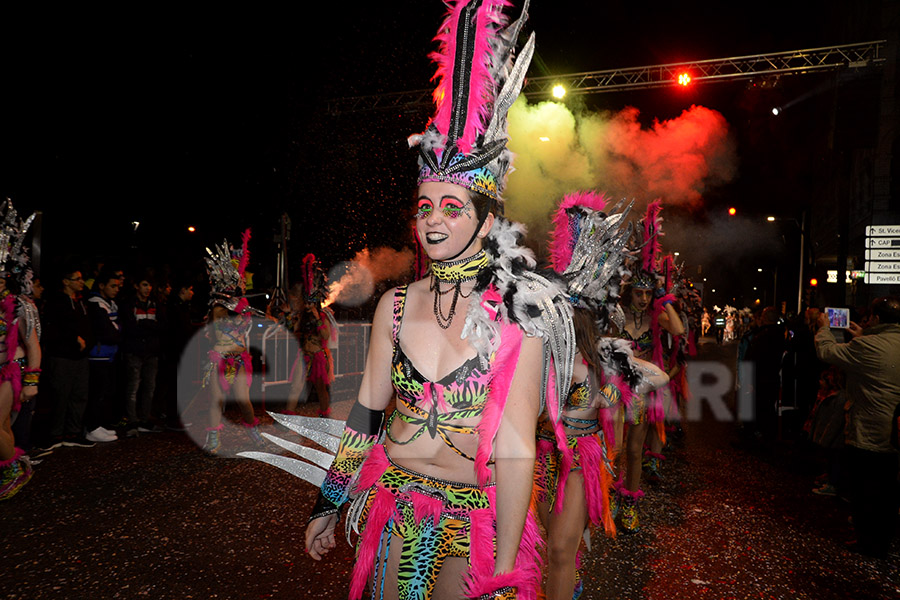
(353, 282)
(558, 152)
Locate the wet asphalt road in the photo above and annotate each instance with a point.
(152, 517)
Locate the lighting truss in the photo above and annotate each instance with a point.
(794, 62)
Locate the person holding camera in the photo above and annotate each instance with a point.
(870, 361)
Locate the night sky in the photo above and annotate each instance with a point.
(217, 119)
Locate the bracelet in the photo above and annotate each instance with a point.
(31, 376)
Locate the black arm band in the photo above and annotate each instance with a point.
(365, 420)
(323, 508)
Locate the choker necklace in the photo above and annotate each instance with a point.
(455, 273)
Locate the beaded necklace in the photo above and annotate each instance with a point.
(455, 273)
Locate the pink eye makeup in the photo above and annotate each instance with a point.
(453, 208)
(424, 210)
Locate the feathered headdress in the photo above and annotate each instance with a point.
(588, 249)
(313, 279)
(478, 81)
(647, 234)
(13, 256)
(226, 267)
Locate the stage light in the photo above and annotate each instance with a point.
(559, 92)
(732, 211)
(684, 79)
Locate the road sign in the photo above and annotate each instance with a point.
(883, 254)
(883, 278)
(883, 267)
(882, 230)
(883, 242)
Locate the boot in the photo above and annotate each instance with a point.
(14, 474)
(651, 464)
(252, 430)
(213, 443)
(629, 510)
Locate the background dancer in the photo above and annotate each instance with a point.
(20, 351)
(649, 314)
(574, 469)
(230, 367)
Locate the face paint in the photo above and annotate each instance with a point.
(451, 208)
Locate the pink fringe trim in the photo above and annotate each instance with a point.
(502, 374)
(12, 371)
(219, 427)
(383, 510)
(249, 425)
(373, 468)
(526, 576)
(597, 483)
(426, 507)
(321, 367)
(222, 363)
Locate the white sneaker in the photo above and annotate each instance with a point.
(100, 435)
(108, 432)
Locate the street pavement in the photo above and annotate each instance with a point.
(153, 517)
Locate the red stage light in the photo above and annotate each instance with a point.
(732, 211)
(684, 79)
(813, 282)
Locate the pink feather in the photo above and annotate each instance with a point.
(383, 509)
(488, 19)
(245, 252)
(561, 242)
(502, 372)
(597, 482)
(652, 232)
(426, 507)
(373, 468)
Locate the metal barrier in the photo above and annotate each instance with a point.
(279, 350)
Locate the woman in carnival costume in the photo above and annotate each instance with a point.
(648, 317)
(574, 469)
(230, 367)
(468, 352)
(20, 351)
(314, 328)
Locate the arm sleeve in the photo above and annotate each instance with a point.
(361, 433)
(847, 356)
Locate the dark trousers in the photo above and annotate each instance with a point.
(68, 382)
(101, 394)
(872, 479)
(21, 427)
(140, 384)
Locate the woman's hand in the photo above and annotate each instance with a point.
(320, 536)
(29, 392)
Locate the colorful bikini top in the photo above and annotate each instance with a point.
(461, 394)
(643, 345)
(580, 398)
(233, 329)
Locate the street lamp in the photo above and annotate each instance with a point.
(774, 283)
(799, 225)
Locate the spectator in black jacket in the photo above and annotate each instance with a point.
(140, 347)
(103, 312)
(765, 352)
(67, 338)
(180, 328)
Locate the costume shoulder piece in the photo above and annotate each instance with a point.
(511, 290)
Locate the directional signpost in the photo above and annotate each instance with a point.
(883, 254)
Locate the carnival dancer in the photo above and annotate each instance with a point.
(466, 352)
(574, 468)
(314, 329)
(649, 316)
(20, 351)
(230, 367)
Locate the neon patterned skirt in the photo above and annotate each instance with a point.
(429, 520)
